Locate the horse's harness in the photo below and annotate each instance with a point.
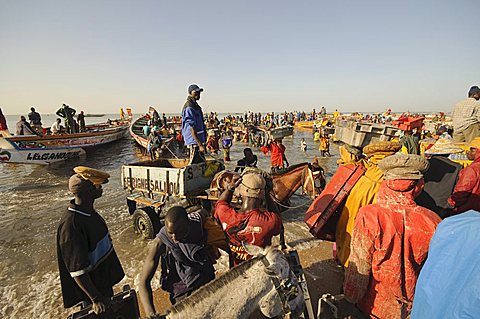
(286, 289)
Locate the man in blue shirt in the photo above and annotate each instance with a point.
(193, 125)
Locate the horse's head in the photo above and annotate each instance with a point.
(313, 179)
(286, 295)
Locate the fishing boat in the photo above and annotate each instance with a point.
(47, 149)
(308, 125)
(136, 131)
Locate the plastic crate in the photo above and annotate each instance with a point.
(409, 123)
(361, 134)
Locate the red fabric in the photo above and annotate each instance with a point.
(259, 228)
(389, 245)
(277, 150)
(212, 144)
(179, 137)
(3, 122)
(466, 194)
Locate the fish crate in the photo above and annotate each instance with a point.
(281, 132)
(360, 134)
(409, 123)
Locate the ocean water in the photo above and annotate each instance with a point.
(33, 198)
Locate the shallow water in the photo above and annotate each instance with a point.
(33, 198)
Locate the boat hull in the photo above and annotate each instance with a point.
(55, 148)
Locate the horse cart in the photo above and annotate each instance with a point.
(156, 185)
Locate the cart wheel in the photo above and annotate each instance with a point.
(146, 222)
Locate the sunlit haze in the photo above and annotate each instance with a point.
(99, 56)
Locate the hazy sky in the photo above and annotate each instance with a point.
(262, 55)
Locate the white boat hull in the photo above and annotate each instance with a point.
(54, 148)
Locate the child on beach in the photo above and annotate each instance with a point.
(226, 145)
(303, 145)
(212, 142)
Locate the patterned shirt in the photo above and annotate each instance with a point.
(465, 114)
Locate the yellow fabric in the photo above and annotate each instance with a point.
(363, 193)
(95, 176)
(345, 156)
(324, 144)
(377, 157)
(336, 114)
(475, 143)
(316, 136)
(211, 168)
(404, 150)
(465, 163)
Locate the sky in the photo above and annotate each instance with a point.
(260, 55)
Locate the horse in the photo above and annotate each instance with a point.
(265, 282)
(282, 185)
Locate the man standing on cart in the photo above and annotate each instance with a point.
(193, 125)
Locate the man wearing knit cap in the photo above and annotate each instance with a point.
(88, 264)
(363, 193)
(390, 241)
(249, 224)
(466, 194)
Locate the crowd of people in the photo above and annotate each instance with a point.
(385, 229)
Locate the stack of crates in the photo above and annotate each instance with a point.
(360, 134)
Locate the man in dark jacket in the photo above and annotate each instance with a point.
(186, 265)
(81, 121)
(35, 120)
(87, 262)
(67, 113)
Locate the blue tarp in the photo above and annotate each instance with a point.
(449, 282)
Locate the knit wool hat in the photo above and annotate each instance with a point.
(402, 166)
(253, 185)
